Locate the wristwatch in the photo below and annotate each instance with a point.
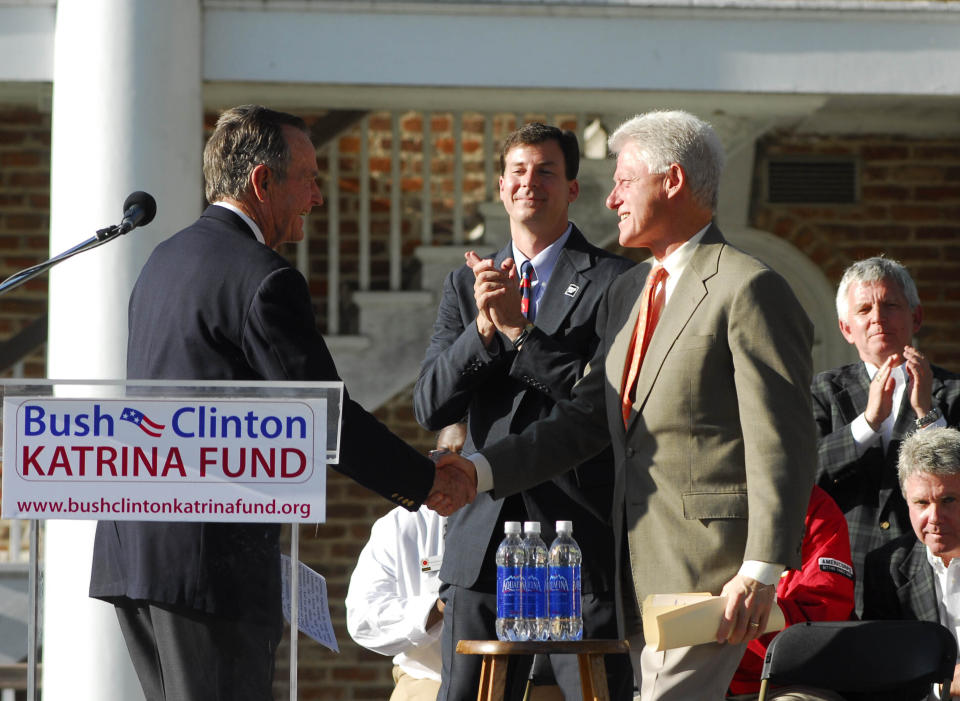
(931, 416)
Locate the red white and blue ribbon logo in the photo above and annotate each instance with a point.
(151, 428)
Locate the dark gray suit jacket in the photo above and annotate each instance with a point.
(899, 582)
(214, 303)
(504, 391)
(866, 488)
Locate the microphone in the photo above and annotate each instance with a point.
(139, 209)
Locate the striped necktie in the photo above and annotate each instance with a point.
(651, 305)
(526, 290)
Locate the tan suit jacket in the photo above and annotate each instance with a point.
(717, 463)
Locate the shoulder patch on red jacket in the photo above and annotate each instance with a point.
(829, 564)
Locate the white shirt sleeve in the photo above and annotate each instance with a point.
(764, 572)
(484, 472)
(864, 437)
(389, 598)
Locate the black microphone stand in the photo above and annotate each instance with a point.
(101, 237)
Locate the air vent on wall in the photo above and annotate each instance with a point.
(809, 181)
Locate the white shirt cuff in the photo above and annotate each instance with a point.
(484, 472)
(863, 435)
(764, 572)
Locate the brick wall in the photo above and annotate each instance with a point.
(412, 174)
(909, 209)
(24, 219)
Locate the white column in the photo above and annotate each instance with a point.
(127, 115)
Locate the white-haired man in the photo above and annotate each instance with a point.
(865, 410)
(699, 384)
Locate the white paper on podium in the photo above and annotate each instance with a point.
(314, 609)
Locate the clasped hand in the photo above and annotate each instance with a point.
(454, 486)
(497, 295)
(920, 376)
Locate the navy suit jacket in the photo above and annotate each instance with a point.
(213, 303)
(502, 392)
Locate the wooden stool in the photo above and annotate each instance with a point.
(496, 657)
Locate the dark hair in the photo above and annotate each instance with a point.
(245, 137)
(537, 133)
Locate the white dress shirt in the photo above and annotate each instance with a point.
(394, 587)
(243, 215)
(947, 581)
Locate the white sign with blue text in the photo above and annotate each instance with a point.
(236, 459)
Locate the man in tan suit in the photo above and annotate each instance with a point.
(712, 435)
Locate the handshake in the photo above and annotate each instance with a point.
(455, 483)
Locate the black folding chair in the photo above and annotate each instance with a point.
(880, 659)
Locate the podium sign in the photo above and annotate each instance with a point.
(169, 451)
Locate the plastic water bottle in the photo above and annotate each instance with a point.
(535, 583)
(510, 584)
(566, 621)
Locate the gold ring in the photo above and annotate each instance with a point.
(754, 624)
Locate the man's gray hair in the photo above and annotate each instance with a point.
(668, 137)
(245, 137)
(876, 269)
(933, 451)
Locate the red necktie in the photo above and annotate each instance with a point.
(526, 289)
(654, 292)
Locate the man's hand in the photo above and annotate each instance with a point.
(921, 381)
(452, 489)
(436, 615)
(880, 400)
(497, 294)
(452, 437)
(747, 611)
(955, 684)
(485, 326)
(453, 461)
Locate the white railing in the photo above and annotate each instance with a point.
(449, 163)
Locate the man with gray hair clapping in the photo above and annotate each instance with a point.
(865, 410)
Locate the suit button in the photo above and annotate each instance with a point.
(885, 525)
(630, 452)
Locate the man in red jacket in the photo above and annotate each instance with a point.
(822, 590)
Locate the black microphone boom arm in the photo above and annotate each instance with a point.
(141, 199)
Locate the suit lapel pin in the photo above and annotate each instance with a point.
(572, 290)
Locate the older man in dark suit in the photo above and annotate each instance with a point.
(502, 381)
(707, 409)
(863, 411)
(199, 603)
(915, 576)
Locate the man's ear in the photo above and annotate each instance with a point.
(674, 180)
(260, 178)
(845, 330)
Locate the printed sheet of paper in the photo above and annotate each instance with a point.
(314, 609)
(680, 620)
